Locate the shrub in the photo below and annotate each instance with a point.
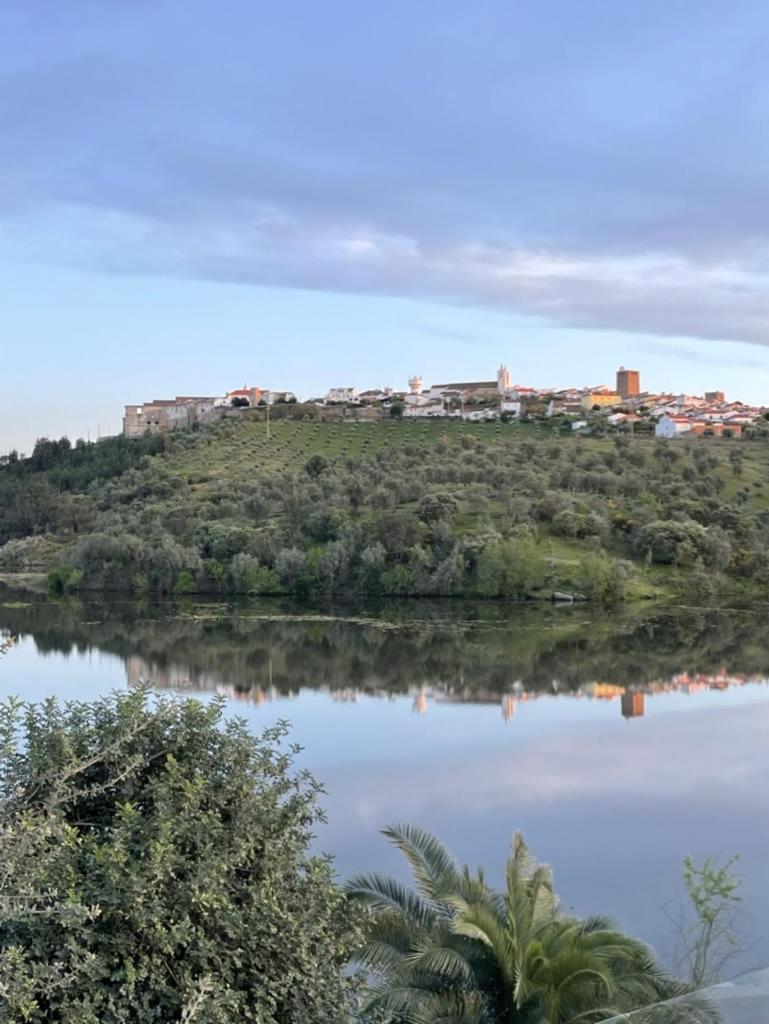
(155, 868)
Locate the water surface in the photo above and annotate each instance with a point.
(617, 743)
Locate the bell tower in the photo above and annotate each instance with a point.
(503, 379)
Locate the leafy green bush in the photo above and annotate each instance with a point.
(155, 868)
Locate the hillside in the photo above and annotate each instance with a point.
(401, 507)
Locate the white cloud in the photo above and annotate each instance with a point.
(654, 292)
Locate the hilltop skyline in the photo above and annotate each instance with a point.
(111, 422)
(306, 195)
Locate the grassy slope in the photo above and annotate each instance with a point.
(242, 450)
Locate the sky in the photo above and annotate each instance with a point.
(196, 196)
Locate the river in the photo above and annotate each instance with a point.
(618, 743)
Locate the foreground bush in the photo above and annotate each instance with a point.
(155, 868)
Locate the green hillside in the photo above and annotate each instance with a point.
(392, 507)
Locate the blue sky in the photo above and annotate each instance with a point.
(195, 195)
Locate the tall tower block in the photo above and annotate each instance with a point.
(628, 382)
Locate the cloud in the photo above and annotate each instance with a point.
(691, 353)
(610, 175)
(264, 245)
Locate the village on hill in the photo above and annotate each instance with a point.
(623, 407)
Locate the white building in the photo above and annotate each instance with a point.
(672, 426)
(427, 410)
(341, 395)
(414, 398)
(479, 415)
(510, 405)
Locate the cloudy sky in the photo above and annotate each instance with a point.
(195, 195)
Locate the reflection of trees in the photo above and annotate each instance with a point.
(466, 650)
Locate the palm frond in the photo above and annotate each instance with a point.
(442, 960)
(381, 892)
(381, 958)
(434, 869)
(481, 923)
(450, 1008)
(416, 1006)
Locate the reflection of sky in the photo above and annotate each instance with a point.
(613, 804)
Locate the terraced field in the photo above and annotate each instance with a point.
(231, 449)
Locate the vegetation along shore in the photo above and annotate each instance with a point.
(498, 510)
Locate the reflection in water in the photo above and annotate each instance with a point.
(461, 654)
(422, 712)
(140, 672)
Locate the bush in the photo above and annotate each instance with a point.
(671, 542)
(155, 868)
(63, 580)
(185, 584)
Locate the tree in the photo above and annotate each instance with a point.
(396, 409)
(155, 868)
(315, 466)
(736, 458)
(708, 935)
(434, 507)
(671, 542)
(509, 568)
(453, 950)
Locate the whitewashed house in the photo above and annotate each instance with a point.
(511, 406)
(672, 426)
(334, 395)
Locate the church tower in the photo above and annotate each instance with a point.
(503, 379)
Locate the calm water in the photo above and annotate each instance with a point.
(618, 744)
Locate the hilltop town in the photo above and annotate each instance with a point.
(623, 407)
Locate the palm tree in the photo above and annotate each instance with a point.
(451, 950)
(425, 970)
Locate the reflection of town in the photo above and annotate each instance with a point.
(631, 699)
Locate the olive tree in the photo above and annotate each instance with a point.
(155, 868)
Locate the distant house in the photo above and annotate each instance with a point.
(669, 426)
(618, 419)
(270, 397)
(674, 426)
(412, 398)
(465, 389)
(480, 415)
(164, 414)
(374, 395)
(601, 397)
(564, 407)
(426, 409)
(243, 396)
(337, 395)
(511, 406)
